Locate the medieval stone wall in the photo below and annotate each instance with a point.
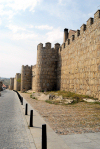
(11, 83)
(17, 82)
(34, 77)
(26, 78)
(74, 66)
(78, 67)
(46, 68)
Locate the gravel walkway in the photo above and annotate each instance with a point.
(70, 119)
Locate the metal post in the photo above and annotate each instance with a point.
(26, 109)
(44, 137)
(31, 118)
(21, 100)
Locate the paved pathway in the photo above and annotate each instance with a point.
(83, 141)
(14, 131)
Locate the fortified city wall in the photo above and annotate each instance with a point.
(78, 67)
(34, 78)
(74, 66)
(26, 78)
(11, 84)
(46, 67)
(17, 82)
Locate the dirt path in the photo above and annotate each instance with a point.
(77, 118)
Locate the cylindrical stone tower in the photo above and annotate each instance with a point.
(11, 83)
(18, 81)
(46, 71)
(26, 78)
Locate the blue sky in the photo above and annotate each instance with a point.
(26, 23)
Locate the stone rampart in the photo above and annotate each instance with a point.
(78, 67)
(26, 78)
(17, 82)
(11, 83)
(34, 78)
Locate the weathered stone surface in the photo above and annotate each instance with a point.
(26, 78)
(91, 100)
(11, 87)
(40, 96)
(17, 82)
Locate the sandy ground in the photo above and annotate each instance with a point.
(70, 119)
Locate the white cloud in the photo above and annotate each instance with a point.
(15, 6)
(46, 27)
(24, 36)
(8, 13)
(22, 4)
(54, 36)
(59, 1)
(0, 21)
(30, 26)
(15, 28)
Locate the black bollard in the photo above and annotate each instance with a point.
(31, 118)
(21, 100)
(26, 109)
(44, 137)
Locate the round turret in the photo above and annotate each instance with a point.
(46, 68)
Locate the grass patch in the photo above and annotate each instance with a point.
(49, 101)
(35, 98)
(70, 95)
(31, 96)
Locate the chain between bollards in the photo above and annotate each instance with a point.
(44, 137)
(26, 109)
(31, 118)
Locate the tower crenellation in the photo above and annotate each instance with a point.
(48, 45)
(40, 46)
(82, 29)
(65, 35)
(96, 15)
(79, 33)
(90, 21)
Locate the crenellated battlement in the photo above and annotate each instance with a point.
(79, 33)
(48, 46)
(26, 67)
